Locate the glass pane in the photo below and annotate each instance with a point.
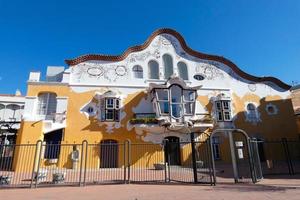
(189, 95)
(188, 108)
(162, 94)
(51, 104)
(153, 70)
(168, 65)
(117, 103)
(110, 103)
(137, 71)
(219, 116)
(225, 105)
(182, 70)
(176, 93)
(109, 114)
(227, 116)
(218, 105)
(164, 107)
(176, 110)
(117, 115)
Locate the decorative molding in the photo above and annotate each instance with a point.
(187, 49)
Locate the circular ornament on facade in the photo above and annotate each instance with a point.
(199, 77)
(252, 87)
(120, 70)
(95, 71)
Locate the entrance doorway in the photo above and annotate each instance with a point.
(172, 150)
(109, 154)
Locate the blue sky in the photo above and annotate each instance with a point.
(261, 37)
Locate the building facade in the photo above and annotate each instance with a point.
(159, 90)
(296, 103)
(11, 111)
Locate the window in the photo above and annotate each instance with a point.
(223, 110)
(182, 70)
(137, 71)
(168, 65)
(90, 110)
(199, 77)
(216, 147)
(163, 98)
(271, 109)
(251, 112)
(52, 146)
(46, 104)
(175, 101)
(153, 70)
(111, 109)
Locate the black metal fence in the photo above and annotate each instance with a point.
(41, 164)
(279, 156)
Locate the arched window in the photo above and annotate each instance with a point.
(251, 110)
(182, 70)
(137, 71)
(46, 104)
(168, 65)
(153, 70)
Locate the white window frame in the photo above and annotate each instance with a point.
(170, 103)
(223, 109)
(113, 106)
(43, 108)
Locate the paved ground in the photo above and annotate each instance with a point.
(283, 188)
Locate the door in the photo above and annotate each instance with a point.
(109, 154)
(172, 150)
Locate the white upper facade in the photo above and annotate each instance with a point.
(164, 55)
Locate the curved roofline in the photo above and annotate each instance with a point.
(187, 49)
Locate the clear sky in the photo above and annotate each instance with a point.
(261, 37)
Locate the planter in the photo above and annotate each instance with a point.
(159, 166)
(58, 177)
(199, 164)
(5, 180)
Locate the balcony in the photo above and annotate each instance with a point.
(151, 123)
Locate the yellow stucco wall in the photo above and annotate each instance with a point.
(80, 128)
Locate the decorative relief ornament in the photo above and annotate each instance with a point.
(120, 70)
(252, 87)
(95, 71)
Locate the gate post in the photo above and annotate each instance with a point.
(194, 157)
(83, 144)
(251, 161)
(38, 163)
(164, 145)
(258, 158)
(233, 158)
(211, 173)
(36, 159)
(128, 160)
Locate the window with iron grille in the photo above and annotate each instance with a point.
(223, 110)
(110, 109)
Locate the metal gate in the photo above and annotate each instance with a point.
(245, 161)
